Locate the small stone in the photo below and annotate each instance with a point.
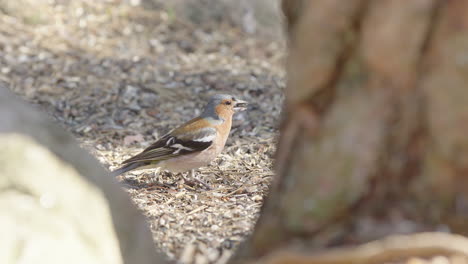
(257, 198)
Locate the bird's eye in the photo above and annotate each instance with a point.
(227, 103)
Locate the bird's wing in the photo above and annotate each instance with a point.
(177, 143)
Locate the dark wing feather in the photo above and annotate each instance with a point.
(173, 145)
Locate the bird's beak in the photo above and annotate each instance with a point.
(240, 105)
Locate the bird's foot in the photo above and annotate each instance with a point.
(129, 181)
(157, 181)
(194, 182)
(204, 184)
(161, 185)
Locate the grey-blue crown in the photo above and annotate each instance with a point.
(213, 102)
(219, 97)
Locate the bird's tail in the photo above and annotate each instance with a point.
(127, 167)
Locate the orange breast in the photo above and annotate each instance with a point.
(223, 131)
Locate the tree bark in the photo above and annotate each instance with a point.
(373, 142)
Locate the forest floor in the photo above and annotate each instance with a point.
(118, 76)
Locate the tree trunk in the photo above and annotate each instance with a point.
(374, 137)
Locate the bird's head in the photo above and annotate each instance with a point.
(224, 105)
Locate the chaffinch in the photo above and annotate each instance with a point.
(193, 144)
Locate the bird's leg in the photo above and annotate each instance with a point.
(194, 180)
(129, 182)
(185, 178)
(187, 181)
(192, 175)
(154, 177)
(156, 180)
(157, 175)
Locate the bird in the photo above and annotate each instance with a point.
(192, 145)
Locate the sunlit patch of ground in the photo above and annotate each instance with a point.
(119, 76)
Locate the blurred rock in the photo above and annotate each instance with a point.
(30, 11)
(57, 204)
(54, 215)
